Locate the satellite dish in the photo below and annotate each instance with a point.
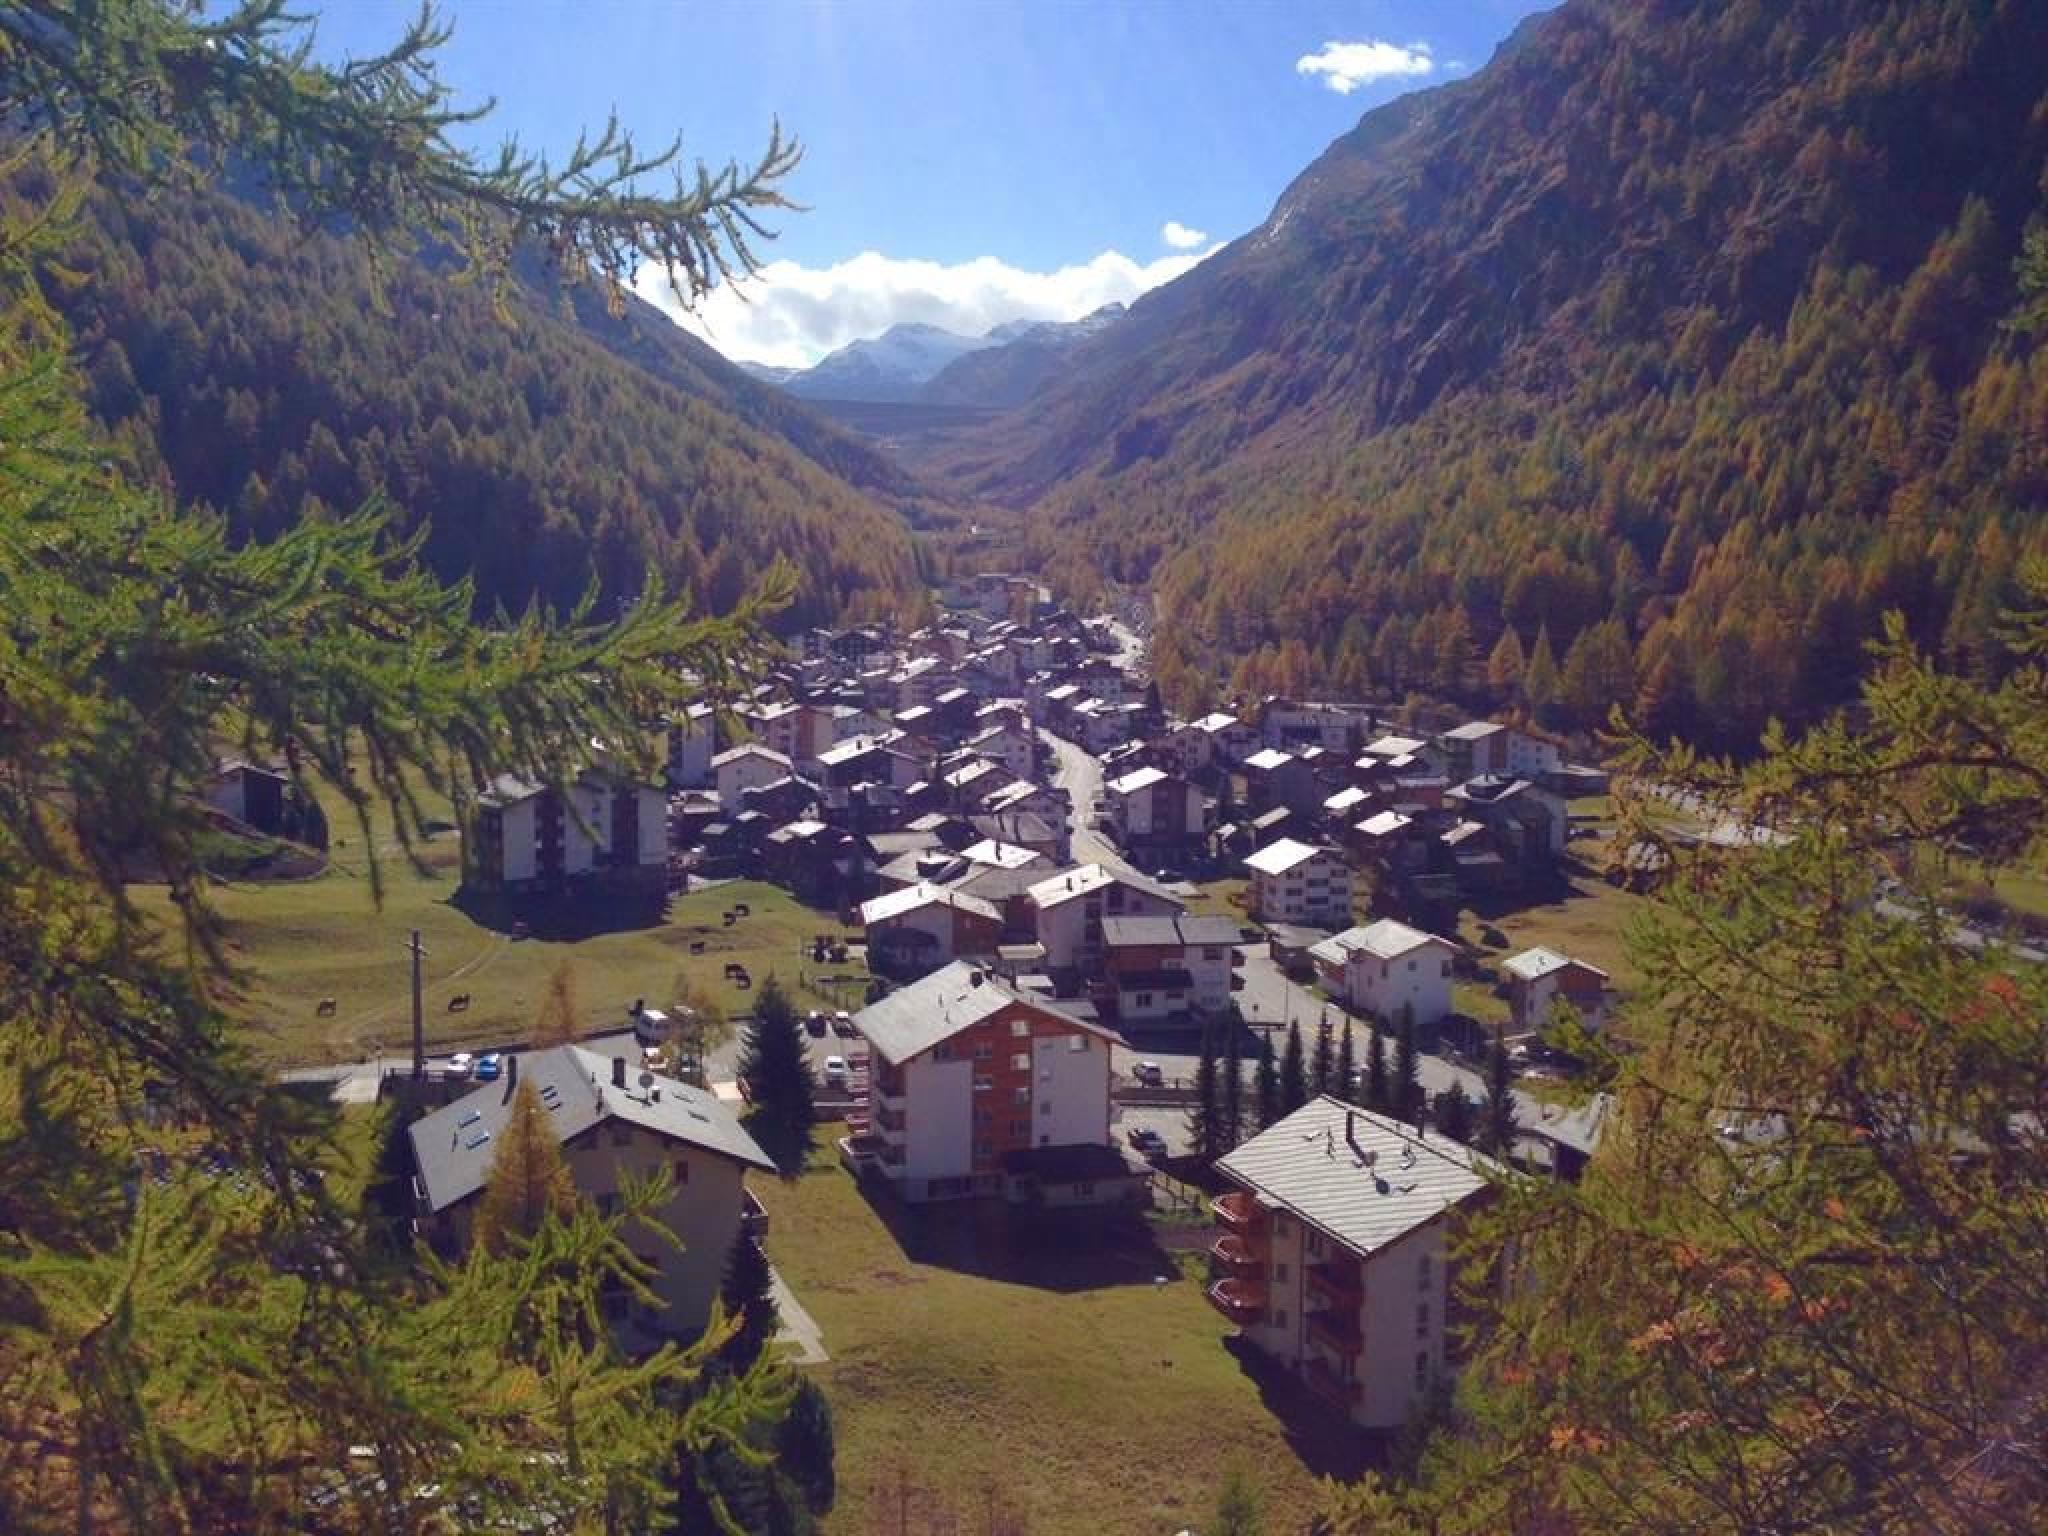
(646, 1079)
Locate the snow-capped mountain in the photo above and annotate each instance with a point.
(914, 363)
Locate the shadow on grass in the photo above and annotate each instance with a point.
(1070, 1249)
(1327, 1446)
(565, 919)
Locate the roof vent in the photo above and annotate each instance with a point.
(974, 978)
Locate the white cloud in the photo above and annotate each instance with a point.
(792, 315)
(1346, 66)
(1180, 237)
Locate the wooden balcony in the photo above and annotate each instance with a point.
(1339, 1281)
(1238, 1211)
(1336, 1331)
(1242, 1301)
(1234, 1251)
(1341, 1394)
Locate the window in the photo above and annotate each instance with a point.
(1422, 1320)
(1144, 1000)
(1279, 1273)
(682, 1170)
(1211, 952)
(982, 1117)
(983, 1050)
(1411, 965)
(1446, 970)
(1283, 1224)
(622, 1134)
(1421, 1369)
(1020, 1128)
(1045, 1107)
(1076, 1044)
(1084, 1189)
(1021, 1098)
(983, 1084)
(943, 1051)
(1422, 1272)
(984, 1149)
(1021, 1062)
(1020, 1028)
(1315, 1245)
(1279, 1319)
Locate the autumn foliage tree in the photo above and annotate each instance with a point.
(529, 1181)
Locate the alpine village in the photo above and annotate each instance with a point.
(1391, 880)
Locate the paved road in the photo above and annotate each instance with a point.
(1080, 775)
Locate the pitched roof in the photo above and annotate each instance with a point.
(750, 749)
(1268, 759)
(1278, 858)
(1383, 940)
(1358, 1177)
(1187, 928)
(1474, 730)
(1535, 964)
(1001, 855)
(452, 1148)
(1137, 779)
(915, 1018)
(913, 898)
(1394, 746)
(1071, 883)
(1385, 824)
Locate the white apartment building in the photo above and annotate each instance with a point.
(1334, 1249)
(1387, 968)
(1300, 883)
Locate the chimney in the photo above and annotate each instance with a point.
(618, 1071)
(1351, 1134)
(974, 978)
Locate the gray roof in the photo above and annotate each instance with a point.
(915, 1018)
(452, 1148)
(1358, 1177)
(1187, 928)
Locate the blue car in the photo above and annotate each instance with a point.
(488, 1066)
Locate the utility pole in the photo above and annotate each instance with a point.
(419, 1022)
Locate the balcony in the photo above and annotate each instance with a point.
(1238, 1210)
(1233, 1251)
(1337, 1391)
(1336, 1331)
(753, 1216)
(1242, 1301)
(1339, 1281)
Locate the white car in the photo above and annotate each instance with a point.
(461, 1064)
(835, 1070)
(1149, 1073)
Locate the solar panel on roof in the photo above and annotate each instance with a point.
(470, 1117)
(477, 1138)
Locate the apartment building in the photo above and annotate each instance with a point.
(972, 1081)
(1388, 969)
(1537, 978)
(523, 837)
(1334, 1252)
(1168, 967)
(1300, 883)
(1071, 906)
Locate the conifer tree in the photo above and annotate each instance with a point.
(1405, 1091)
(748, 1294)
(1505, 665)
(559, 1021)
(1540, 681)
(1324, 1062)
(1266, 1081)
(1378, 1091)
(1233, 1116)
(1344, 1081)
(1293, 1072)
(1205, 1111)
(775, 1064)
(529, 1180)
(1453, 1114)
(1498, 1128)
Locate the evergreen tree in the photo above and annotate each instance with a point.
(748, 1294)
(1405, 1091)
(529, 1181)
(1540, 681)
(1504, 667)
(1205, 1112)
(1378, 1090)
(804, 1446)
(1266, 1081)
(1497, 1129)
(1454, 1114)
(775, 1064)
(1237, 1506)
(1233, 1115)
(1324, 1063)
(1345, 1081)
(1293, 1072)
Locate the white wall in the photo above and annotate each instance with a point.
(1074, 1086)
(938, 1120)
(1060, 930)
(743, 773)
(1394, 1289)
(519, 833)
(1419, 979)
(652, 809)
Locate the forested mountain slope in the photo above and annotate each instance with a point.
(256, 367)
(1679, 337)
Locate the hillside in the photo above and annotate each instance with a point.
(1009, 375)
(257, 368)
(1677, 337)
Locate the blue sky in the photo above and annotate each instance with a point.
(965, 163)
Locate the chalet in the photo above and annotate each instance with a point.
(1334, 1253)
(1389, 970)
(1483, 748)
(921, 927)
(1012, 746)
(255, 796)
(1537, 979)
(1156, 816)
(689, 741)
(1300, 883)
(1529, 822)
(816, 861)
(1157, 968)
(968, 1072)
(745, 767)
(867, 760)
(781, 800)
(1275, 778)
(1071, 906)
(614, 1124)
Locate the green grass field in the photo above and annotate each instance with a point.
(298, 942)
(1588, 923)
(1059, 1382)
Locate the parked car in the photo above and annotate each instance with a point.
(814, 1021)
(489, 1066)
(835, 1071)
(650, 1025)
(1149, 1073)
(842, 1024)
(1147, 1142)
(461, 1064)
